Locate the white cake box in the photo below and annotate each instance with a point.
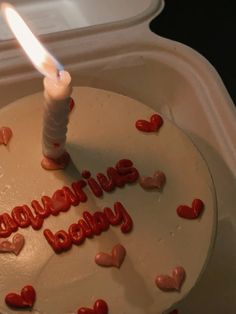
(108, 44)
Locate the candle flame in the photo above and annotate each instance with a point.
(39, 56)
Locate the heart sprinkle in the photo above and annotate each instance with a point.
(171, 283)
(5, 135)
(25, 299)
(156, 181)
(153, 125)
(100, 307)
(15, 246)
(115, 259)
(193, 212)
(174, 312)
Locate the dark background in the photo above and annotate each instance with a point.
(207, 26)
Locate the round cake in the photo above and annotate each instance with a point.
(127, 227)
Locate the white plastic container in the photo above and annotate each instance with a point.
(115, 50)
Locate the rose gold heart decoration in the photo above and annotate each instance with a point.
(5, 135)
(171, 283)
(15, 246)
(157, 181)
(115, 259)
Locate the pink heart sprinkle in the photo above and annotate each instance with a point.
(15, 246)
(5, 135)
(171, 283)
(156, 181)
(18, 242)
(115, 259)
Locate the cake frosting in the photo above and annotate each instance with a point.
(136, 255)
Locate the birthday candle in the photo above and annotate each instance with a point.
(57, 91)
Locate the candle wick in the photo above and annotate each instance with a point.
(57, 78)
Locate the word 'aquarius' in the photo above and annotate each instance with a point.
(61, 201)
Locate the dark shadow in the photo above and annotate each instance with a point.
(70, 174)
(133, 285)
(206, 26)
(131, 281)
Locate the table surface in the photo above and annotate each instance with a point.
(208, 27)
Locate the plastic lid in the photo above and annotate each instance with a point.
(45, 17)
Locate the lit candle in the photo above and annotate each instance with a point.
(57, 91)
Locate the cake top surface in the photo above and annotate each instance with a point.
(101, 132)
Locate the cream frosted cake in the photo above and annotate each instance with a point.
(127, 227)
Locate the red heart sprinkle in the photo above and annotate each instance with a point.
(156, 121)
(153, 125)
(100, 307)
(193, 212)
(25, 299)
(174, 312)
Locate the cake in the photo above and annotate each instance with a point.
(138, 257)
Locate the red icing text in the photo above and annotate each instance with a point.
(24, 216)
(90, 225)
